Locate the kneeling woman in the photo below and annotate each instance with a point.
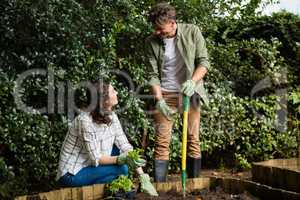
(88, 154)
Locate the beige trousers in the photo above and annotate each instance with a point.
(163, 127)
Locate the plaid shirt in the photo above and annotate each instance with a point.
(87, 141)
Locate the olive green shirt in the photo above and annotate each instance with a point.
(192, 48)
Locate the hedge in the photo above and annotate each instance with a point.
(74, 41)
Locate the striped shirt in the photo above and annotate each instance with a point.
(86, 141)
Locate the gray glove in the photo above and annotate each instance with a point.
(146, 185)
(188, 87)
(163, 108)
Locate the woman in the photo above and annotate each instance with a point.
(87, 155)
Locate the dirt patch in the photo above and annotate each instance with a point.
(217, 194)
(222, 173)
(227, 173)
(165, 196)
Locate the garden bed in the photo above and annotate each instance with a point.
(217, 185)
(205, 194)
(279, 173)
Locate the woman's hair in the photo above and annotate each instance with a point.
(162, 13)
(100, 114)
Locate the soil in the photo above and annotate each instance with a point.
(227, 173)
(223, 173)
(217, 194)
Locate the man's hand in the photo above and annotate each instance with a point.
(188, 87)
(163, 108)
(146, 185)
(125, 159)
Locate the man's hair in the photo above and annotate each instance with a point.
(162, 13)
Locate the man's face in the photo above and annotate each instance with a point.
(166, 30)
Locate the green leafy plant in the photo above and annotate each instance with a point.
(121, 184)
(135, 154)
(295, 100)
(243, 164)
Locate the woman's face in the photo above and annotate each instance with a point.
(112, 97)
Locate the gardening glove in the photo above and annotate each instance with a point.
(146, 185)
(163, 108)
(125, 159)
(188, 87)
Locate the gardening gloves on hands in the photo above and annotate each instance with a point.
(188, 87)
(146, 185)
(163, 108)
(132, 163)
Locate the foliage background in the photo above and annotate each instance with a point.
(80, 40)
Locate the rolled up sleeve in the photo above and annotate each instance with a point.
(121, 140)
(151, 63)
(90, 143)
(201, 57)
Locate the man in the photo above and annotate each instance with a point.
(177, 60)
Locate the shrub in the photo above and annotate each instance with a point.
(74, 41)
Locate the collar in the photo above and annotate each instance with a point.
(178, 30)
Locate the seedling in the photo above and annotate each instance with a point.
(135, 154)
(121, 184)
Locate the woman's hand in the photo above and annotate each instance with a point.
(107, 160)
(132, 163)
(146, 185)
